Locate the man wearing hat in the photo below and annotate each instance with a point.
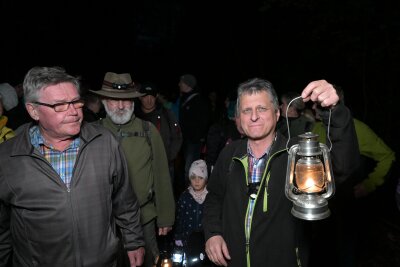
(164, 120)
(146, 158)
(193, 118)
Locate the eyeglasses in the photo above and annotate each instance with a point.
(61, 107)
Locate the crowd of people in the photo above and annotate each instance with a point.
(98, 176)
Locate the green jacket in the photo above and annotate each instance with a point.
(148, 170)
(371, 146)
(5, 132)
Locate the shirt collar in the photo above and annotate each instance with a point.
(250, 152)
(37, 138)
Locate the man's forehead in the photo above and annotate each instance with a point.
(253, 98)
(147, 96)
(59, 90)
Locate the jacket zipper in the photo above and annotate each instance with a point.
(265, 178)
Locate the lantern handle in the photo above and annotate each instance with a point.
(287, 123)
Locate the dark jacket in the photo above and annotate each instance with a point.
(277, 238)
(189, 217)
(46, 224)
(219, 135)
(168, 126)
(193, 117)
(89, 115)
(298, 125)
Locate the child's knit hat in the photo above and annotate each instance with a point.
(199, 168)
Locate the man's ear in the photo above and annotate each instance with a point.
(278, 114)
(32, 110)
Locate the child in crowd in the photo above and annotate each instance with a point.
(190, 204)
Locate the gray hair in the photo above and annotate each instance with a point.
(39, 78)
(256, 85)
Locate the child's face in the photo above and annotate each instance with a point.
(198, 183)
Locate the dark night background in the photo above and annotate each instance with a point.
(354, 44)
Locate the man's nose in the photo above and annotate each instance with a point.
(254, 115)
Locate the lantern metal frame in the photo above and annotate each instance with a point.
(309, 206)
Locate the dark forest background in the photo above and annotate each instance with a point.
(354, 44)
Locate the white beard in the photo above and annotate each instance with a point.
(118, 116)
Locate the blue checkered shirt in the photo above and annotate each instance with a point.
(62, 161)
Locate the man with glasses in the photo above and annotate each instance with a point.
(65, 195)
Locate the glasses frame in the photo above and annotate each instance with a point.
(56, 107)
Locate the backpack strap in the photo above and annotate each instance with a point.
(189, 98)
(146, 131)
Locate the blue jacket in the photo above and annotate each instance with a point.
(189, 217)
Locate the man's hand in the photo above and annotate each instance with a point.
(321, 92)
(217, 251)
(164, 230)
(179, 243)
(136, 257)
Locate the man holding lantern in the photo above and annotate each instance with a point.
(247, 216)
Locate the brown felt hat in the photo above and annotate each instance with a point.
(119, 86)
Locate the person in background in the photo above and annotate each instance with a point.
(164, 120)
(193, 119)
(146, 159)
(223, 132)
(298, 123)
(5, 132)
(371, 147)
(65, 195)
(247, 216)
(92, 111)
(190, 204)
(9, 96)
(217, 108)
(14, 105)
(351, 222)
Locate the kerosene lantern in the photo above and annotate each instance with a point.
(164, 259)
(309, 178)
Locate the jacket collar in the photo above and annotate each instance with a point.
(23, 146)
(278, 145)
